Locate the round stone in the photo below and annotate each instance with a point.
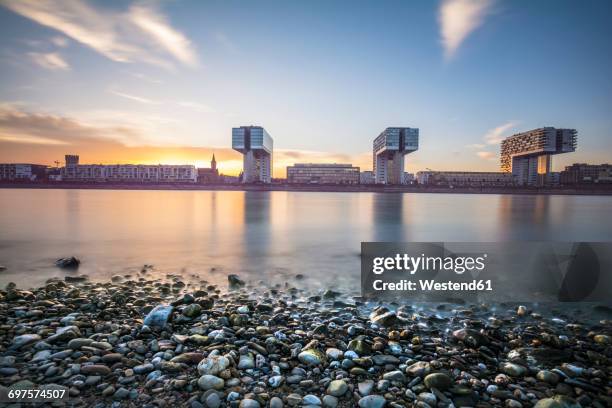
(210, 382)
(372, 401)
(439, 381)
(337, 388)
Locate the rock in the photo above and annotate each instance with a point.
(143, 369)
(439, 381)
(276, 402)
(246, 361)
(235, 281)
(360, 346)
(548, 377)
(337, 388)
(428, 398)
(521, 311)
(334, 353)
(121, 393)
(76, 344)
(213, 364)
(188, 358)
(95, 369)
(365, 387)
(311, 400)
(210, 382)
(192, 311)
(213, 400)
(372, 401)
(511, 403)
(558, 401)
(311, 357)
(602, 339)
(249, 403)
(418, 369)
(63, 334)
(381, 316)
(330, 401)
(471, 337)
(159, 316)
(513, 370)
(24, 340)
(394, 376)
(68, 263)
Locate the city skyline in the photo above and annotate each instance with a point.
(147, 83)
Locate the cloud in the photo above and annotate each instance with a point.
(157, 27)
(497, 134)
(43, 138)
(134, 98)
(487, 155)
(476, 146)
(139, 34)
(60, 41)
(458, 18)
(51, 60)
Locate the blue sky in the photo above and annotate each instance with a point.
(323, 77)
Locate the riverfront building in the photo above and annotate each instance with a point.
(313, 173)
(142, 173)
(210, 175)
(466, 178)
(256, 146)
(366, 177)
(388, 151)
(528, 155)
(22, 171)
(582, 173)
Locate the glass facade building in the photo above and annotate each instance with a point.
(312, 173)
(388, 151)
(256, 146)
(528, 155)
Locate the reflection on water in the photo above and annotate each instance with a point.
(271, 236)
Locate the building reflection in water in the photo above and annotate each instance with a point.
(388, 217)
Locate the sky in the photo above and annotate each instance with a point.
(165, 81)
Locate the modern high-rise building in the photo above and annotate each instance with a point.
(256, 146)
(528, 155)
(322, 173)
(389, 149)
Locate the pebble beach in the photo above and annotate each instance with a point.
(140, 341)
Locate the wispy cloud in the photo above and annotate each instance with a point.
(138, 34)
(134, 98)
(60, 41)
(497, 134)
(458, 18)
(50, 60)
(155, 24)
(493, 137)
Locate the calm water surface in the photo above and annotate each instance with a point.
(268, 235)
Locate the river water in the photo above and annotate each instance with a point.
(270, 236)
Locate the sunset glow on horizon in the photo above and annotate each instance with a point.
(152, 83)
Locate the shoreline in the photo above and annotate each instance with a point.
(607, 191)
(141, 341)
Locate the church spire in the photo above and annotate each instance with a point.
(213, 163)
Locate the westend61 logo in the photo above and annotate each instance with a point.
(487, 271)
(412, 264)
